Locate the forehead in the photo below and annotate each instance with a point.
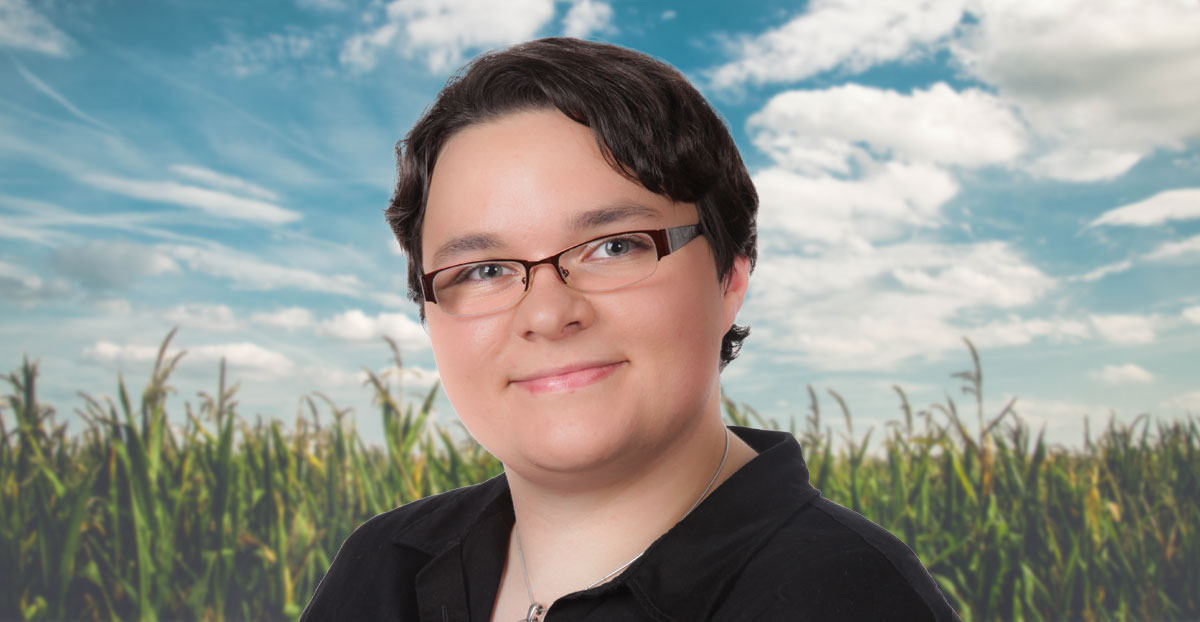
(527, 183)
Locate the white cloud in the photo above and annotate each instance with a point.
(1187, 402)
(223, 181)
(291, 318)
(49, 91)
(394, 246)
(1015, 331)
(421, 376)
(113, 306)
(213, 202)
(273, 53)
(857, 164)
(392, 300)
(354, 325)
(108, 351)
(1125, 328)
(107, 265)
(1192, 314)
(203, 316)
(411, 376)
(872, 308)
(244, 355)
(1063, 420)
(40, 222)
(250, 272)
(19, 285)
(1181, 204)
(877, 333)
(1080, 72)
(851, 35)
(321, 5)
(1103, 271)
(858, 169)
(16, 229)
(1169, 251)
(361, 51)
(1123, 374)
(887, 201)
(324, 377)
(26, 205)
(832, 129)
(586, 17)
(442, 31)
(986, 274)
(1083, 164)
(668, 15)
(23, 28)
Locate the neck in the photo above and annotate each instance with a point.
(615, 517)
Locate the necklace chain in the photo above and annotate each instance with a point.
(536, 609)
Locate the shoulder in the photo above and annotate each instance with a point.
(426, 524)
(831, 563)
(432, 522)
(391, 548)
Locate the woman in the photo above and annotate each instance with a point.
(580, 234)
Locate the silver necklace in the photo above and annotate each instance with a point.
(537, 610)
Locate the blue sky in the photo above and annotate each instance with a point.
(1025, 174)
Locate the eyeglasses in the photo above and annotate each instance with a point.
(599, 265)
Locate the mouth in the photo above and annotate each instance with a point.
(568, 377)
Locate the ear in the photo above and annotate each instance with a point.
(735, 286)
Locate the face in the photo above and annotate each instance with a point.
(567, 381)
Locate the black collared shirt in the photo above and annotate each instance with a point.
(763, 546)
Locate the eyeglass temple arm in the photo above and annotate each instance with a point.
(678, 236)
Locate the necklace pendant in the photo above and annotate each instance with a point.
(536, 610)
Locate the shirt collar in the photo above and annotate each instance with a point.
(434, 532)
(688, 566)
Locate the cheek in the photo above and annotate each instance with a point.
(682, 329)
(462, 350)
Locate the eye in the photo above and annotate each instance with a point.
(481, 273)
(486, 271)
(618, 247)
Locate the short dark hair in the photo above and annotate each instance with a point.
(651, 124)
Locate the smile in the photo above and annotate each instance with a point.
(567, 378)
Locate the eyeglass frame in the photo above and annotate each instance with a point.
(666, 241)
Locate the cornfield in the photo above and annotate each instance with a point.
(222, 518)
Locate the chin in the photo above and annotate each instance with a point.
(556, 442)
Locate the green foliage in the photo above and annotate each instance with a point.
(224, 519)
(218, 519)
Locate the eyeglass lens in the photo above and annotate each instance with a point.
(599, 265)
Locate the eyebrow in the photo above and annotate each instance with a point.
(606, 214)
(464, 244)
(613, 212)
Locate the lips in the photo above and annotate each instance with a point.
(567, 377)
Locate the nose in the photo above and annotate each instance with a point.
(551, 309)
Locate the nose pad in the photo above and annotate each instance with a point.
(561, 272)
(552, 310)
(529, 275)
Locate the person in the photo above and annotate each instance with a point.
(580, 233)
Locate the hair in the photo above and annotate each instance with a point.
(650, 123)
